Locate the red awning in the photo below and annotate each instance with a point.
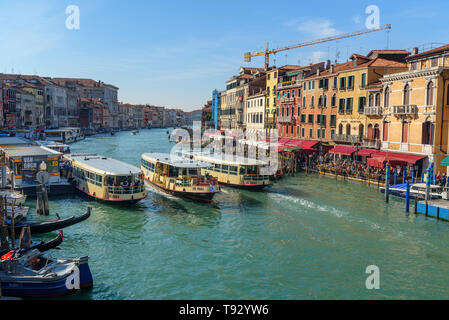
(283, 141)
(303, 144)
(380, 162)
(365, 153)
(344, 150)
(401, 157)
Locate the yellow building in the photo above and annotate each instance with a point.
(38, 94)
(272, 78)
(416, 121)
(358, 121)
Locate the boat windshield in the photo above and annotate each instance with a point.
(124, 181)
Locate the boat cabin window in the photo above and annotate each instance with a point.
(224, 168)
(173, 172)
(217, 167)
(252, 170)
(242, 170)
(233, 170)
(193, 172)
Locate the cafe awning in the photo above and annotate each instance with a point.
(445, 162)
(380, 162)
(365, 152)
(343, 150)
(403, 157)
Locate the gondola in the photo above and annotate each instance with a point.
(44, 245)
(49, 226)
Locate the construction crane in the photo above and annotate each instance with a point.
(267, 52)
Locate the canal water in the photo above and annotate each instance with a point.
(305, 237)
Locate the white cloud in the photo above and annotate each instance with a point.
(318, 28)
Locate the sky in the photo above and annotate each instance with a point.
(175, 53)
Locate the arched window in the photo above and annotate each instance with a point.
(340, 129)
(334, 100)
(407, 95)
(348, 129)
(430, 91)
(325, 101)
(387, 97)
(304, 102)
(312, 102)
(361, 130)
(427, 132)
(377, 100)
(371, 100)
(404, 132)
(385, 133)
(376, 132)
(370, 132)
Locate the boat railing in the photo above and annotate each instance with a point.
(126, 190)
(254, 178)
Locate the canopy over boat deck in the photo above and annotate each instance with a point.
(103, 164)
(225, 159)
(175, 161)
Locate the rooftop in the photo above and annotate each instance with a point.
(29, 151)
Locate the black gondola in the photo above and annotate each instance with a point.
(44, 245)
(49, 226)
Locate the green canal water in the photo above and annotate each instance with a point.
(305, 237)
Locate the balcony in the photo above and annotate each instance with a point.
(347, 138)
(285, 119)
(372, 111)
(371, 143)
(405, 110)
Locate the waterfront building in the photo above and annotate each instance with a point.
(9, 105)
(352, 80)
(272, 77)
(26, 111)
(254, 114)
(299, 103)
(415, 119)
(56, 113)
(88, 88)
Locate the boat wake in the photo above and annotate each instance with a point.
(309, 204)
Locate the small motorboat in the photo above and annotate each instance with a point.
(134, 132)
(13, 197)
(49, 226)
(28, 273)
(20, 213)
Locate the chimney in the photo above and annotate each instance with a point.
(328, 63)
(318, 71)
(332, 68)
(415, 51)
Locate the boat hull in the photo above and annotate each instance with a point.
(81, 278)
(111, 201)
(202, 197)
(251, 187)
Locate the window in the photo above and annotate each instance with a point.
(342, 83)
(325, 101)
(303, 132)
(404, 132)
(377, 100)
(323, 133)
(387, 97)
(333, 120)
(413, 66)
(406, 95)
(303, 118)
(335, 83)
(340, 129)
(427, 132)
(341, 106)
(233, 170)
(310, 118)
(349, 105)
(312, 102)
(385, 131)
(363, 82)
(304, 102)
(318, 133)
(429, 93)
(434, 62)
(348, 129)
(351, 82)
(311, 133)
(334, 100)
(362, 101)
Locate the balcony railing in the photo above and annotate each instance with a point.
(347, 138)
(285, 119)
(405, 110)
(373, 111)
(371, 143)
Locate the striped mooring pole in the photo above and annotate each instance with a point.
(387, 183)
(407, 197)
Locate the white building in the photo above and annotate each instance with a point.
(254, 115)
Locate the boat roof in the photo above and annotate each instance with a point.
(51, 144)
(29, 151)
(175, 161)
(222, 158)
(7, 141)
(103, 164)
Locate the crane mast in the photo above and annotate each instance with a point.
(267, 52)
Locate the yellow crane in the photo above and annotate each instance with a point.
(269, 51)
